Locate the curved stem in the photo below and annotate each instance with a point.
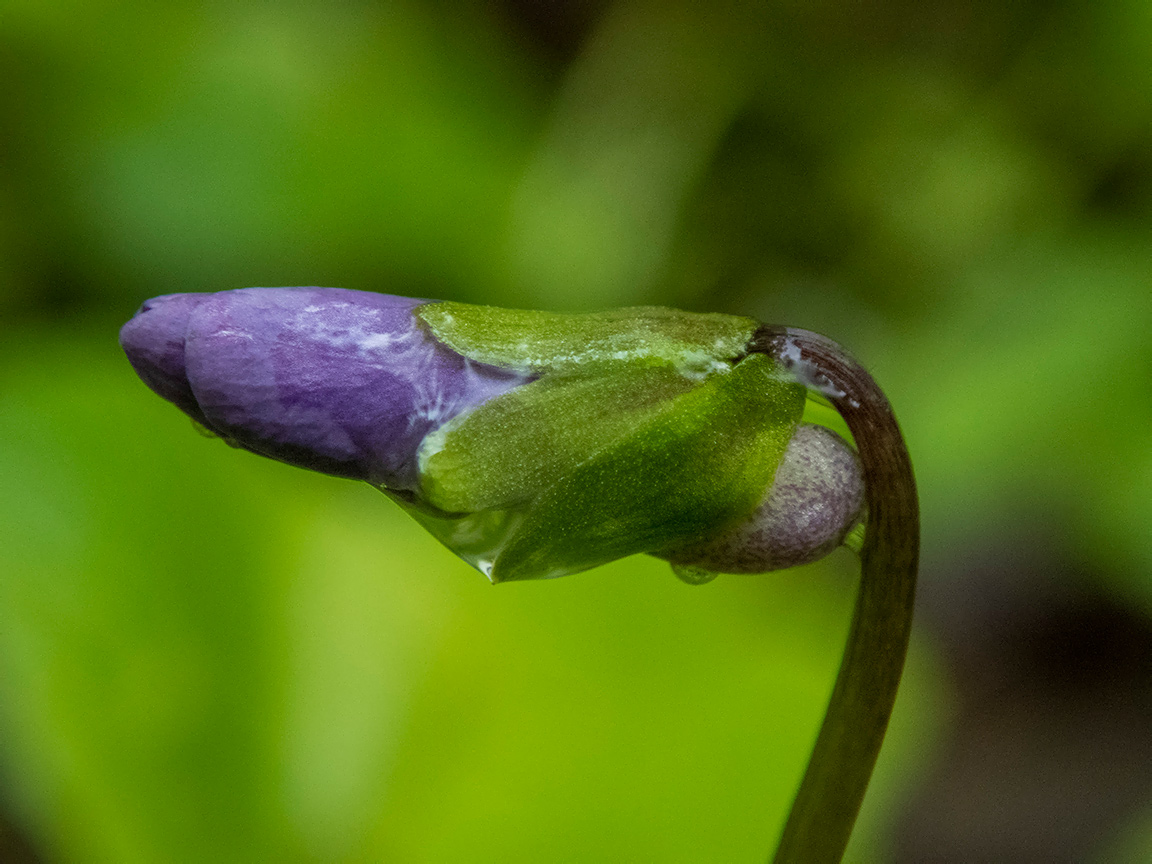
(829, 798)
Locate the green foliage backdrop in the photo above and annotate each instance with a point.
(209, 657)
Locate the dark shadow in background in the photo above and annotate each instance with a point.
(1050, 749)
(14, 847)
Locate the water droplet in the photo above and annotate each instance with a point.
(477, 538)
(693, 575)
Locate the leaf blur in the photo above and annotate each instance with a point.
(207, 657)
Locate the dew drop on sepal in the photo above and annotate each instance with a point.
(693, 575)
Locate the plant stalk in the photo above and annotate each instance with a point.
(841, 764)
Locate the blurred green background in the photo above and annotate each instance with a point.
(206, 656)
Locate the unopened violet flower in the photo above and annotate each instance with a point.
(344, 382)
(532, 444)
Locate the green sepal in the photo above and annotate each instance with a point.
(503, 453)
(694, 467)
(696, 344)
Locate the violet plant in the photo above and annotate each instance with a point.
(536, 445)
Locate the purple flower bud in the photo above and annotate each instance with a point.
(339, 381)
(640, 430)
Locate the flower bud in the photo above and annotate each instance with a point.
(344, 382)
(532, 444)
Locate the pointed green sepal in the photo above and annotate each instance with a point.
(695, 344)
(693, 467)
(502, 454)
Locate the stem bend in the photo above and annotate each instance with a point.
(829, 798)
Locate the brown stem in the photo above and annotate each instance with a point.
(829, 798)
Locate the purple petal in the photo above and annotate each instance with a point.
(345, 382)
(154, 343)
